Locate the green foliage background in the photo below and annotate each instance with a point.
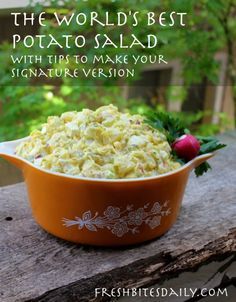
(211, 27)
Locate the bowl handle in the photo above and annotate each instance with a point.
(7, 150)
(197, 161)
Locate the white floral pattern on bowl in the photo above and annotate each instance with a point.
(119, 221)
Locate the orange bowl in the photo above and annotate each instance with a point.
(105, 212)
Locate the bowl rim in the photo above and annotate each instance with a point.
(91, 179)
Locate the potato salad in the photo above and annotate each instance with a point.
(104, 143)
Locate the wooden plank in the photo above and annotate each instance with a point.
(214, 275)
(35, 266)
(14, 175)
(142, 273)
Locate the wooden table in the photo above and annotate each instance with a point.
(36, 266)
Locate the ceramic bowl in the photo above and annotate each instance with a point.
(104, 212)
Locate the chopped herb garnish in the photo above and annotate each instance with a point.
(174, 128)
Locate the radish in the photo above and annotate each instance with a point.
(186, 147)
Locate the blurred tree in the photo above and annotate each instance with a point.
(211, 27)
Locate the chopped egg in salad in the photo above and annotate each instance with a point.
(104, 143)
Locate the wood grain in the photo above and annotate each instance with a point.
(214, 275)
(13, 174)
(36, 266)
